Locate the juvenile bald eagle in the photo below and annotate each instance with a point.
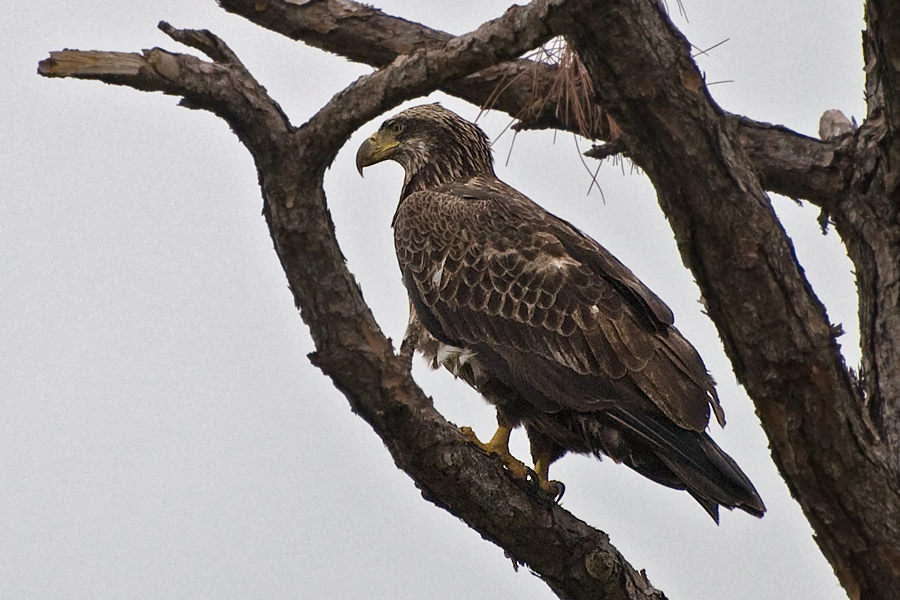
(544, 322)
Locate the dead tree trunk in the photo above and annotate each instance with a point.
(835, 436)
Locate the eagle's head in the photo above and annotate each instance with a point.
(435, 146)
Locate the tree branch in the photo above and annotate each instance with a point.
(883, 59)
(794, 165)
(224, 88)
(789, 163)
(427, 68)
(574, 559)
(774, 329)
(365, 34)
(866, 218)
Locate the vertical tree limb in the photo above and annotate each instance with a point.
(774, 329)
(868, 219)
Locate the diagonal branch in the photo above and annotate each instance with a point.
(204, 41)
(367, 35)
(574, 559)
(425, 69)
(774, 329)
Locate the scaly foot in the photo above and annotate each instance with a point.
(499, 445)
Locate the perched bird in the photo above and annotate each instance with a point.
(544, 322)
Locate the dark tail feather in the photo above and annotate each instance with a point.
(711, 507)
(688, 460)
(720, 482)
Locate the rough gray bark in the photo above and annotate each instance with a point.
(775, 331)
(867, 218)
(836, 440)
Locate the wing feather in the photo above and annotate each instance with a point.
(492, 269)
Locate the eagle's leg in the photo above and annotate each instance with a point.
(499, 445)
(542, 471)
(544, 451)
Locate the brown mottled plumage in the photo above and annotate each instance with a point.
(543, 321)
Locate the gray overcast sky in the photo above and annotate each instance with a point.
(162, 434)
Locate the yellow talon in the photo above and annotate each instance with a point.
(499, 445)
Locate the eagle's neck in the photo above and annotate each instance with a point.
(431, 168)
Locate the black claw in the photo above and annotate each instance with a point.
(534, 484)
(561, 489)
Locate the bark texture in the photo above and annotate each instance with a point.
(774, 329)
(834, 436)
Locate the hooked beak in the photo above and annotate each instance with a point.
(375, 149)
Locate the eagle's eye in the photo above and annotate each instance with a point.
(396, 128)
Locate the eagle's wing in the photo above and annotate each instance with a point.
(489, 270)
